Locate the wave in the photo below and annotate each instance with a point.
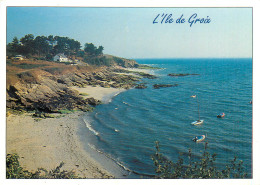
(88, 125)
(108, 98)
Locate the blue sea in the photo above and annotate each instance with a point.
(125, 129)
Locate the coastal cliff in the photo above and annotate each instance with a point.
(45, 86)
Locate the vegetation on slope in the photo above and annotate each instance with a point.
(15, 171)
(204, 168)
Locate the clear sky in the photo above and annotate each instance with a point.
(130, 32)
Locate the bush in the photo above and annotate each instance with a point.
(15, 171)
(98, 61)
(203, 168)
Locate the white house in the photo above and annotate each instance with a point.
(61, 58)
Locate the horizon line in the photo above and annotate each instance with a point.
(195, 58)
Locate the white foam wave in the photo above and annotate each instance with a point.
(88, 125)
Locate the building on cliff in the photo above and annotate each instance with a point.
(61, 58)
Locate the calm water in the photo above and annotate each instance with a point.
(127, 127)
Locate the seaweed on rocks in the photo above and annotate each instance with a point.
(181, 74)
(141, 86)
(158, 86)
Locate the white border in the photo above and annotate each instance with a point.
(136, 3)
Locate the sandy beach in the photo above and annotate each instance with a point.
(99, 93)
(48, 142)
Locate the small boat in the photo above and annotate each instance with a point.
(193, 96)
(198, 122)
(221, 115)
(199, 138)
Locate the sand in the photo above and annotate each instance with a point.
(99, 93)
(48, 142)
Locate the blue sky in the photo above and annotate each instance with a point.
(130, 32)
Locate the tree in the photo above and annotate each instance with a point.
(90, 48)
(44, 46)
(14, 47)
(41, 45)
(99, 51)
(51, 40)
(28, 44)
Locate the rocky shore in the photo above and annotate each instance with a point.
(46, 91)
(38, 99)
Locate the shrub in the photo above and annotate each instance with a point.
(203, 168)
(15, 171)
(83, 94)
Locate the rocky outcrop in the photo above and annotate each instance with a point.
(141, 74)
(180, 74)
(141, 86)
(158, 86)
(48, 96)
(49, 93)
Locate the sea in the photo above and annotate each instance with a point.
(124, 129)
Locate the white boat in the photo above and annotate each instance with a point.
(198, 122)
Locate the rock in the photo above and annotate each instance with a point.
(93, 101)
(49, 93)
(179, 75)
(141, 86)
(158, 86)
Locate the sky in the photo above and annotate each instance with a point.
(131, 33)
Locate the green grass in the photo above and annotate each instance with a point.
(141, 66)
(83, 94)
(66, 111)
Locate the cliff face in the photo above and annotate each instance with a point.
(109, 60)
(46, 88)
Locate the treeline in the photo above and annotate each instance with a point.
(46, 47)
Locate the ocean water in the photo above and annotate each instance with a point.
(126, 128)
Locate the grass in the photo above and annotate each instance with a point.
(83, 94)
(141, 66)
(25, 65)
(66, 111)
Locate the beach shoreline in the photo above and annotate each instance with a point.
(99, 93)
(48, 142)
(45, 143)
